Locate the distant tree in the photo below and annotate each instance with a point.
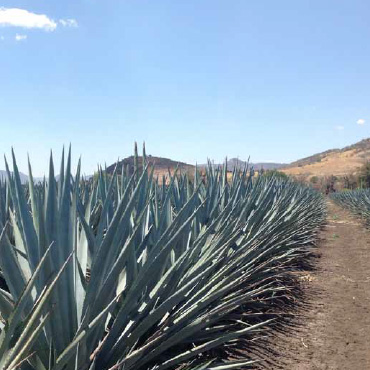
(364, 177)
(314, 180)
(275, 173)
(350, 182)
(330, 185)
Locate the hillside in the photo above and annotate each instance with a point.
(161, 165)
(337, 162)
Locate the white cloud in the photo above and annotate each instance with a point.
(23, 18)
(70, 22)
(339, 128)
(20, 37)
(360, 121)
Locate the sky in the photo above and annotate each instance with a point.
(273, 80)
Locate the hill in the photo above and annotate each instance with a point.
(235, 162)
(161, 165)
(4, 176)
(337, 162)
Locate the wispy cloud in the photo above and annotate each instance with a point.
(16, 17)
(339, 128)
(20, 37)
(360, 121)
(70, 22)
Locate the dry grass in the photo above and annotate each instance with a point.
(338, 164)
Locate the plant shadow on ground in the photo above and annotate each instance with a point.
(272, 350)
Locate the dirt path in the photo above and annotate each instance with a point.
(334, 331)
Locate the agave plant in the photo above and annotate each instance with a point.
(357, 201)
(127, 272)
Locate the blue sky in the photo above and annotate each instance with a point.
(276, 80)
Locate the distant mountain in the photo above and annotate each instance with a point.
(161, 165)
(338, 162)
(24, 178)
(4, 176)
(235, 162)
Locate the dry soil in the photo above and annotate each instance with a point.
(333, 328)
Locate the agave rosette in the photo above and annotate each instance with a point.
(126, 272)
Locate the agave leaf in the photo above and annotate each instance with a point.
(33, 325)
(17, 359)
(6, 304)
(82, 333)
(18, 311)
(10, 266)
(25, 219)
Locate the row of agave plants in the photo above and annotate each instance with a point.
(128, 272)
(357, 201)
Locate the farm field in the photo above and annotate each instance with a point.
(124, 272)
(208, 270)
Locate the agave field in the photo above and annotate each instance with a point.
(357, 201)
(127, 272)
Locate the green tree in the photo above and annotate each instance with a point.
(350, 182)
(314, 180)
(365, 175)
(275, 173)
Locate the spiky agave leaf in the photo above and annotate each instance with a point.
(159, 272)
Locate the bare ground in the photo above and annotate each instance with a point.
(332, 329)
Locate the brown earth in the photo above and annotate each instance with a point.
(332, 330)
(337, 164)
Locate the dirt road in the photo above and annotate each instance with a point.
(334, 329)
